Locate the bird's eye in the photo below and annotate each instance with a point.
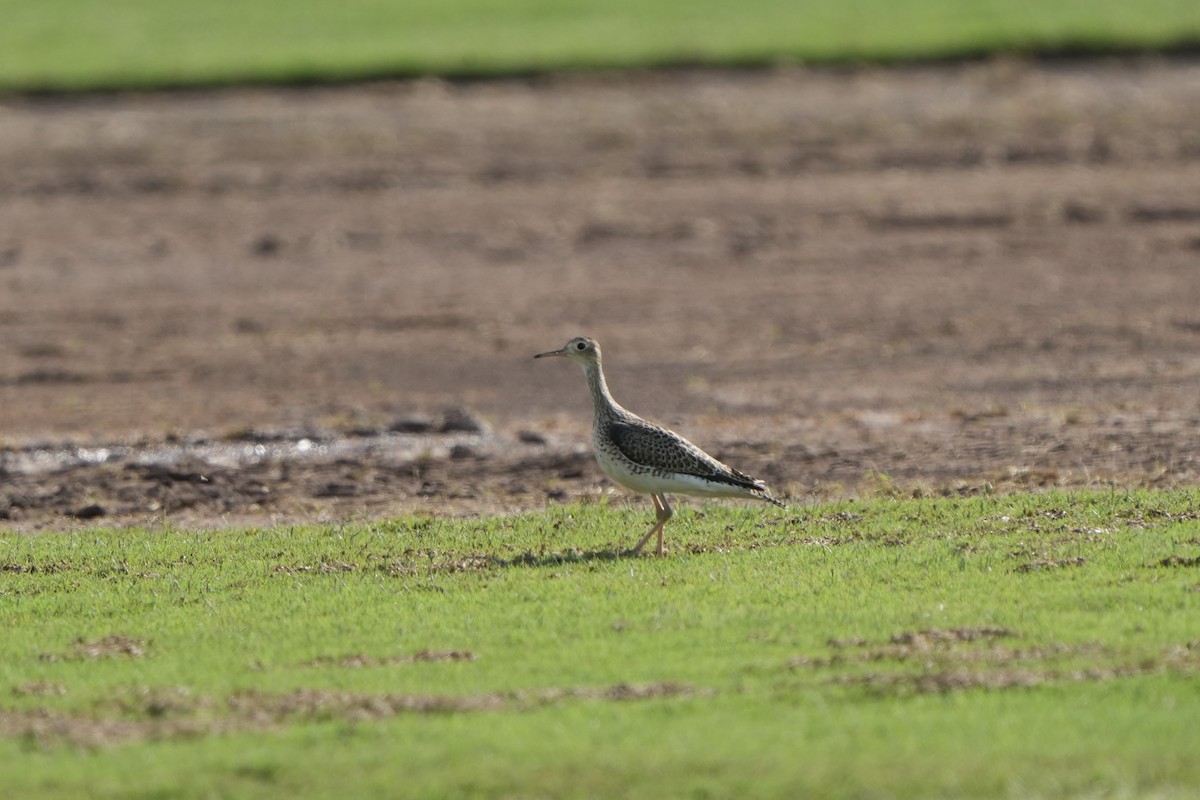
(581, 346)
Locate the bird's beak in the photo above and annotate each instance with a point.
(559, 352)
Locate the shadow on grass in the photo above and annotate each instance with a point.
(567, 557)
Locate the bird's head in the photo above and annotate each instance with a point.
(581, 349)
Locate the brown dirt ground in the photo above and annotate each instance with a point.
(214, 305)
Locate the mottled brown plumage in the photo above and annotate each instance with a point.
(648, 445)
(648, 458)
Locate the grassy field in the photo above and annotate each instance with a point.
(1017, 646)
(72, 44)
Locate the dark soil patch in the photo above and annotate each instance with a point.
(935, 636)
(40, 689)
(948, 647)
(325, 704)
(967, 658)
(1176, 560)
(165, 714)
(114, 645)
(940, 681)
(420, 657)
(1051, 563)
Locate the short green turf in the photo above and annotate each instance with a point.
(73, 44)
(1025, 645)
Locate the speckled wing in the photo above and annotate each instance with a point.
(659, 448)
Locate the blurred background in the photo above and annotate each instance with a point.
(305, 252)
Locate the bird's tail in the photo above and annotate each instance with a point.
(764, 494)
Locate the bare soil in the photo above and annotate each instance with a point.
(262, 305)
(173, 713)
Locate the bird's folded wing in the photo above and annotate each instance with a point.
(658, 448)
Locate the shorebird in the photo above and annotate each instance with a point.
(649, 459)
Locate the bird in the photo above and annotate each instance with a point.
(647, 458)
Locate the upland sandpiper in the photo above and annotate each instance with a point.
(646, 458)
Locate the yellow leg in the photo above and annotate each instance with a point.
(663, 512)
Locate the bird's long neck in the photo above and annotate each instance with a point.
(602, 400)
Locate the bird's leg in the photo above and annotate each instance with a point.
(662, 513)
(665, 513)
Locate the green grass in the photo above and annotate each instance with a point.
(1029, 645)
(73, 44)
